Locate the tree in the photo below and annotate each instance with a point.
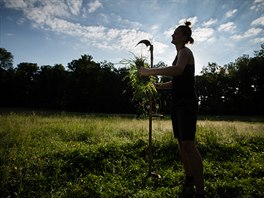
(82, 64)
(260, 53)
(52, 87)
(235, 88)
(6, 59)
(86, 85)
(25, 84)
(6, 76)
(210, 88)
(84, 77)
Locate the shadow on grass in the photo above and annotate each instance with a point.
(118, 171)
(246, 118)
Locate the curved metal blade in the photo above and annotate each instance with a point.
(146, 42)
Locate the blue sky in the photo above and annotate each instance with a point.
(49, 32)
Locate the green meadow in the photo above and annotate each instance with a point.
(78, 155)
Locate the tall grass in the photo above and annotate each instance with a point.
(64, 155)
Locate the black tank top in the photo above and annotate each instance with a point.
(183, 86)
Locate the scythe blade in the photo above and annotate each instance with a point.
(146, 42)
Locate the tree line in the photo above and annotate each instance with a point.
(85, 85)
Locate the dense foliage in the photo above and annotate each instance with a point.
(86, 85)
(235, 88)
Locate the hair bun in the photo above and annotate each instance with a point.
(188, 23)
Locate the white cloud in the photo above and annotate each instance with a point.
(46, 8)
(193, 20)
(154, 27)
(251, 32)
(55, 8)
(52, 16)
(230, 13)
(21, 21)
(75, 6)
(93, 6)
(203, 34)
(200, 34)
(37, 16)
(16, 4)
(258, 5)
(258, 21)
(112, 34)
(46, 12)
(227, 27)
(169, 32)
(209, 22)
(128, 38)
(258, 40)
(125, 22)
(160, 48)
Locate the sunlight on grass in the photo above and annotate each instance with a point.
(99, 156)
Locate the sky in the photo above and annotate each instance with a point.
(49, 32)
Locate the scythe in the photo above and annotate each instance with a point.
(150, 155)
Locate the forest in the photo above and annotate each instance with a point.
(84, 85)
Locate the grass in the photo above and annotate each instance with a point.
(63, 155)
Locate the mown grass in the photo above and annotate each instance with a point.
(64, 155)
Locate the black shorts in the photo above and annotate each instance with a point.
(184, 118)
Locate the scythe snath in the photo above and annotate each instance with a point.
(150, 155)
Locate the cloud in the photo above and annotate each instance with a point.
(46, 8)
(169, 32)
(21, 21)
(128, 38)
(55, 16)
(56, 8)
(154, 27)
(44, 12)
(209, 22)
(200, 34)
(230, 13)
(258, 21)
(227, 27)
(75, 6)
(258, 5)
(99, 36)
(193, 20)
(160, 48)
(9, 34)
(250, 33)
(203, 34)
(258, 40)
(93, 6)
(115, 20)
(16, 4)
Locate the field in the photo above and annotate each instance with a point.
(71, 155)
